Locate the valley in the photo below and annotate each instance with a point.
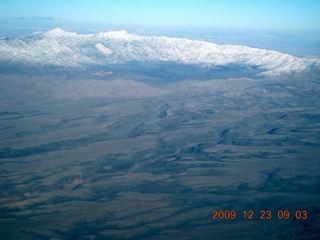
(96, 157)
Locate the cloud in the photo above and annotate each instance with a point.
(47, 18)
(38, 18)
(21, 18)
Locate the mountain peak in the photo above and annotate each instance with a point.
(116, 34)
(58, 32)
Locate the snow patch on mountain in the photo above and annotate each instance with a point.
(106, 51)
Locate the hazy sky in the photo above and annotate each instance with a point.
(236, 14)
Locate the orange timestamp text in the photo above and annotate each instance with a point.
(262, 214)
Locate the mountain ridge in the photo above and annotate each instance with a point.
(67, 49)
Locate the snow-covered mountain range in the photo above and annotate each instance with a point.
(66, 49)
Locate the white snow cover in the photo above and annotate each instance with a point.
(60, 48)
